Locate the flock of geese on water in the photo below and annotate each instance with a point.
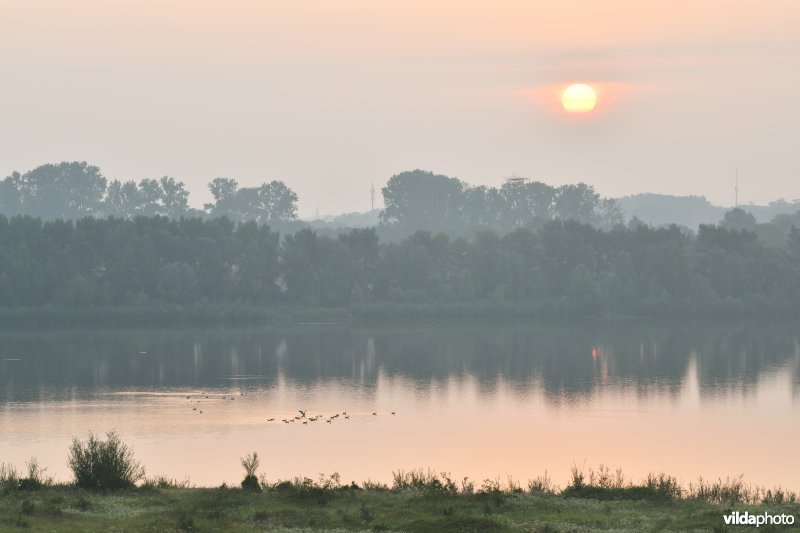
(305, 420)
(300, 417)
(208, 397)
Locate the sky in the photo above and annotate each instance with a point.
(333, 96)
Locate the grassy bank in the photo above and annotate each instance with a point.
(416, 501)
(165, 314)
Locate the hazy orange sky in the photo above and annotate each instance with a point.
(332, 96)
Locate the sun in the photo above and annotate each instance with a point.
(578, 98)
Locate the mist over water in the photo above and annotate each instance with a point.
(480, 400)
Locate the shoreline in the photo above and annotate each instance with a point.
(416, 501)
(227, 315)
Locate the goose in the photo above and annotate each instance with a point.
(270, 419)
(302, 413)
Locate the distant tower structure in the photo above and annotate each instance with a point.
(515, 179)
(736, 189)
(372, 198)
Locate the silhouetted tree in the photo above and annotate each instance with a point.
(272, 201)
(738, 218)
(66, 190)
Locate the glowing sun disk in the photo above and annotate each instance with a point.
(578, 98)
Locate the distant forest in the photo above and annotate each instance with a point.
(561, 268)
(73, 190)
(414, 200)
(73, 241)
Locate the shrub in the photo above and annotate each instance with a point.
(104, 465)
(9, 477)
(35, 479)
(542, 485)
(250, 464)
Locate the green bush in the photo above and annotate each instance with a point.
(104, 465)
(35, 479)
(9, 477)
(250, 465)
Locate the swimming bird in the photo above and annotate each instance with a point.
(393, 412)
(270, 419)
(374, 414)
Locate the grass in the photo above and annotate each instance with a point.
(415, 501)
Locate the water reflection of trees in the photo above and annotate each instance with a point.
(566, 360)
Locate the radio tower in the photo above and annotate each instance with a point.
(372, 198)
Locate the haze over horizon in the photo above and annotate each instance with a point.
(333, 97)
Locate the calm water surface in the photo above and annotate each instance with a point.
(477, 400)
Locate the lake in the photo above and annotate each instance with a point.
(477, 399)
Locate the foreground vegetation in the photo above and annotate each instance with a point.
(415, 501)
(293, 507)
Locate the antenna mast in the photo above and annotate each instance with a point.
(372, 197)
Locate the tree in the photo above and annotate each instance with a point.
(362, 255)
(123, 199)
(738, 218)
(176, 283)
(423, 200)
(525, 203)
(174, 199)
(272, 201)
(10, 198)
(581, 203)
(66, 191)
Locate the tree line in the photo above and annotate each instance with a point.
(422, 200)
(561, 267)
(73, 190)
(413, 200)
